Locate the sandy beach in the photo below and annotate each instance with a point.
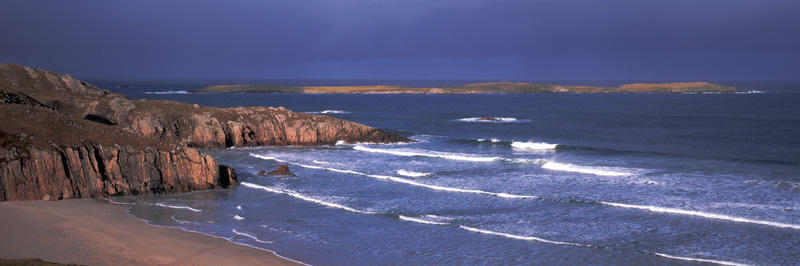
(93, 232)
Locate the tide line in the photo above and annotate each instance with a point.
(400, 180)
(506, 195)
(701, 214)
(303, 197)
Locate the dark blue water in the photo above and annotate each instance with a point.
(563, 179)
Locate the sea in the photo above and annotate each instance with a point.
(555, 179)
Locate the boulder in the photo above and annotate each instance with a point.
(282, 170)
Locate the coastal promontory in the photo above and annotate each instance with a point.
(63, 138)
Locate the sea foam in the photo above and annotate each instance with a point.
(528, 238)
(303, 197)
(565, 167)
(177, 207)
(251, 237)
(492, 120)
(330, 112)
(397, 179)
(702, 214)
(411, 173)
(720, 262)
(167, 92)
(533, 145)
(449, 156)
(418, 220)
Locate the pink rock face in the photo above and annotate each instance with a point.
(100, 171)
(50, 151)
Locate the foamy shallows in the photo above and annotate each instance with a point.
(251, 237)
(411, 173)
(418, 220)
(167, 92)
(750, 92)
(330, 112)
(177, 207)
(492, 120)
(592, 170)
(512, 236)
(702, 214)
(533, 145)
(432, 154)
(303, 197)
(390, 178)
(720, 262)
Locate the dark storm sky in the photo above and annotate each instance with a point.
(408, 39)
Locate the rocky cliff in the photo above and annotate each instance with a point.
(63, 138)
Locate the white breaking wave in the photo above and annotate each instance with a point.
(239, 207)
(178, 220)
(698, 260)
(533, 145)
(750, 92)
(417, 220)
(449, 156)
(330, 112)
(582, 169)
(303, 197)
(341, 142)
(238, 218)
(528, 238)
(491, 119)
(177, 207)
(411, 173)
(702, 214)
(167, 92)
(251, 237)
(320, 162)
(398, 179)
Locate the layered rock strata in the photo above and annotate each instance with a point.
(62, 138)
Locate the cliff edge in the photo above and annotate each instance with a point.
(63, 138)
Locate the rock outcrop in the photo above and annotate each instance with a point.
(62, 138)
(281, 170)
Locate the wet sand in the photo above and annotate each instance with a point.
(94, 232)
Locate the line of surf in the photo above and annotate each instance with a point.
(409, 153)
(399, 180)
(546, 164)
(506, 195)
(720, 262)
(565, 167)
(701, 214)
(472, 229)
(177, 207)
(251, 237)
(303, 197)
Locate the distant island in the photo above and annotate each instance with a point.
(476, 88)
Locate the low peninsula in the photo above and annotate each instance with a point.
(476, 88)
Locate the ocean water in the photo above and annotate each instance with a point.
(559, 179)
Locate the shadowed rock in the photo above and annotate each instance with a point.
(95, 143)
(281, 170)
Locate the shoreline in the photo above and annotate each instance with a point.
(95, 232)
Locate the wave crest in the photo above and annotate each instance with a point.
(533, 145)
(565, 167)
(492, 119)
(408, 153)
(167, 92)
(411, 173)
(160, 204)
